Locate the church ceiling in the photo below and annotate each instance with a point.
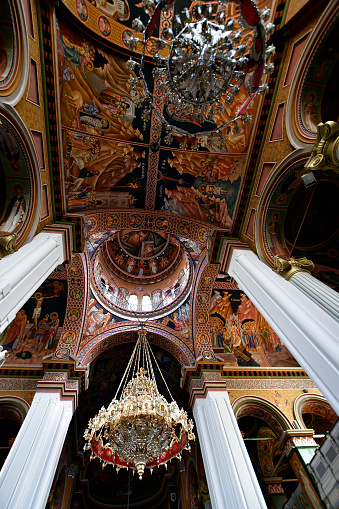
(112, 153)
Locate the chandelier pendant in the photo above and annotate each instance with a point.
(140, 429)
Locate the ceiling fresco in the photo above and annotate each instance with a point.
(148, 264)
(114, 154)
(139, 274)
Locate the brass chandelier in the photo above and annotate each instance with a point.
(202, 60)
(140, 429)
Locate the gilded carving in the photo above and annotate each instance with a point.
(7, 243)
(325, 151)
(288, 268)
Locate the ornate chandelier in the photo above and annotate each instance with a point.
(201, 62)
(140, 429)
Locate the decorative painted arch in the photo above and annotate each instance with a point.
(258, 407)
(273, 205)
(19, 169)
(162, 222)
(309, 81)
(313, 403)
(13, 52)
(126, 333)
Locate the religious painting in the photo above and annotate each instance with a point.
(237, 327)
(116, 10)
(204, 186)
(99, 118)
(179, 320)
(142, 244)
(95, 94)
(97, 318)
(16, 181)
(103, 173)
(36, 328)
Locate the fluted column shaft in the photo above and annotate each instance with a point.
(310, 334)
(231, 480)
(27, 475)
(318, 292)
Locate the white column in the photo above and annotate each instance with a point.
(231, 480)
(321, 294)
(310, 334)
(22, 272)
(27, 475)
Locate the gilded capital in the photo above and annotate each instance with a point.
(287, 268)
(7, 243)
(325, 151)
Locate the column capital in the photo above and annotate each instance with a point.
(324, 153)
(209, 380)
(66, 230)
(287, 268)
(58, 381)
(295, 438)
(7, 243)
(274, 486)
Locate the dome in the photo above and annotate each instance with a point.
(141, 273)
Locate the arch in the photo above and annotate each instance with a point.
(20, 405)
(299, 135)
(13, 84)
(18, 157)
(313, 402)
(164, 222)
(263, 409)
(268, 243)
(12, 414)
(160, 336)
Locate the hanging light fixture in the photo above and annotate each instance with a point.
(140, 429)
(202, 61)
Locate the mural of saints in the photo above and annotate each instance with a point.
(36, 328)
(238, 328)
(101, 172)
(94, 90)
(202, 185)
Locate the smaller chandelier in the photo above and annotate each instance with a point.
(140, 429)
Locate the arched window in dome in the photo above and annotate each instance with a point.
(133, 302)
(146, 303)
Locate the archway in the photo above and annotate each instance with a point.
(107, 486)
(313, 412)
(12, 414)
(262, 426)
